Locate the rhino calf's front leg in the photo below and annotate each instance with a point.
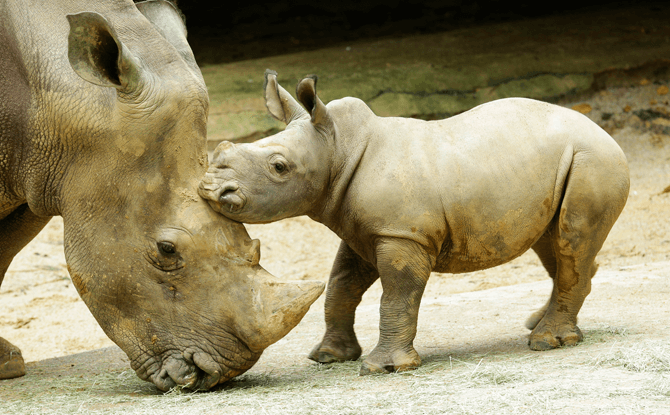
(404, 267)
(350, 277)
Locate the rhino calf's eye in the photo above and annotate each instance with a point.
(166, 248)
(279, 167)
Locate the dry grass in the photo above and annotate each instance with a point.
(641, 357)
(612, 375)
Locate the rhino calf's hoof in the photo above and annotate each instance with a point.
(324, 357)
(332, 353)
(11, 361)
(547, 341)
(382, 363)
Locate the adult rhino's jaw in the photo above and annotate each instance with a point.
(192, 369)
(273, 309)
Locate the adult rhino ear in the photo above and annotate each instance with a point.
(97, 55)
(169, 22)
(306, 93)
(279, 102)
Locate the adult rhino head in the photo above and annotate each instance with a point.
(106, 126)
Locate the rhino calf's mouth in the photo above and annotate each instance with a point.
(232, 201)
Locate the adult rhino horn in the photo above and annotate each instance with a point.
(278, 306)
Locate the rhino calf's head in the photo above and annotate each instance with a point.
(281, 176)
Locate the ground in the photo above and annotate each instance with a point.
(470, 336)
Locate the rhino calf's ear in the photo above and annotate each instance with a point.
(97, 55)
(279, 102)
(306, 93)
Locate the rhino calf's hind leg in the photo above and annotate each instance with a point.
(350, 277)
(545, 251)
(558, 325)
(572, 283)
(590, 206)
(16, 230)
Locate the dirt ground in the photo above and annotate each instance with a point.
(43, 315)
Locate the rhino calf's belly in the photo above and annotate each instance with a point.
(501, 242)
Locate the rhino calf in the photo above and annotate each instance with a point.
(408, 197)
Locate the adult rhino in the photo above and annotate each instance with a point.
(102, 121)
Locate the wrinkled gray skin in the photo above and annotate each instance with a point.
(103, 115)
(409, 197)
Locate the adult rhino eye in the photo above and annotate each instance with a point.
(166, 248)
(165, 256)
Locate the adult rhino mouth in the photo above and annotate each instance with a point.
(192, 369)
